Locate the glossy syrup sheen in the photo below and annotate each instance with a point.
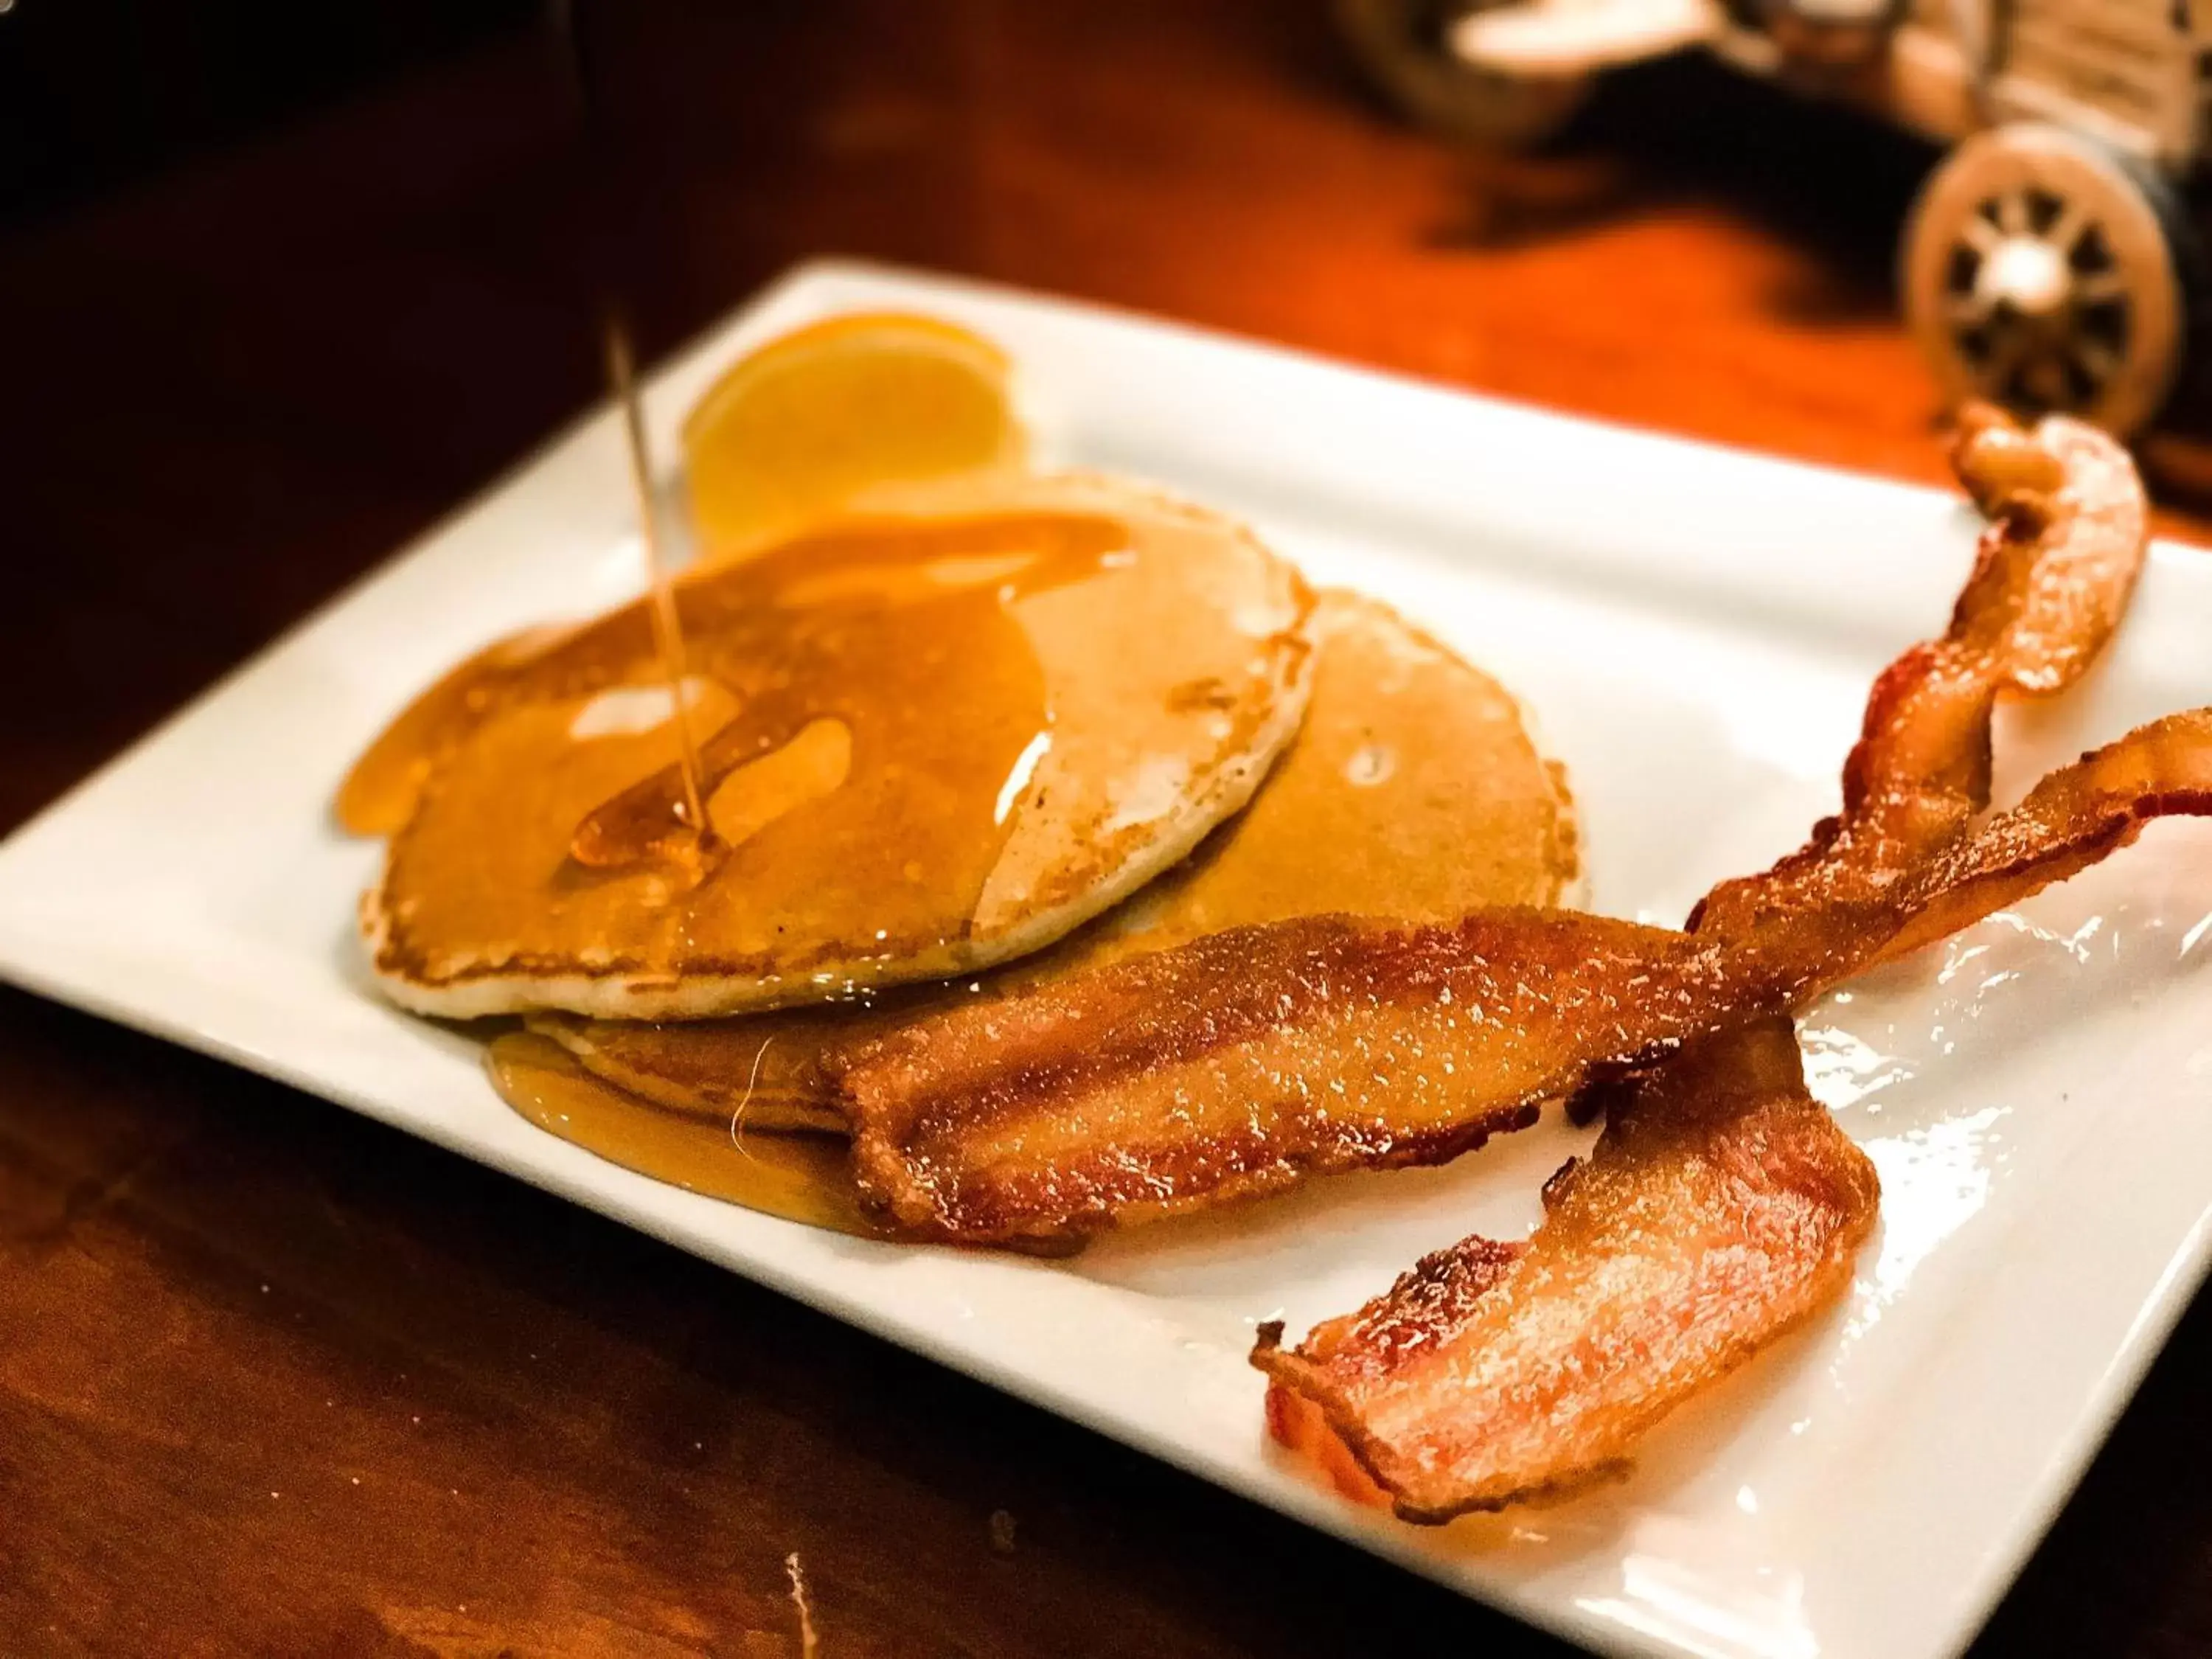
(800, 1177)
(1413, 791)
(381, 789)
(864, 696)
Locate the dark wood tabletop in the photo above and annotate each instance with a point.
(274, 1379)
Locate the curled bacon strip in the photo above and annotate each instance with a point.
(1249, 1060)
(1721, 1206)
(1244, 1063)
(2052, 579)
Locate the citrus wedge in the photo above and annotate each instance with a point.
(805, 426)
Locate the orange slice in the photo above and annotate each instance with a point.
(804, 427)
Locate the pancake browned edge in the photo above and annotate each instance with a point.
(1415, 790)
(1173, 680)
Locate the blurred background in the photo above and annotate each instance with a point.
(281, 283)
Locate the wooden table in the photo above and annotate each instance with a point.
(275, 1379)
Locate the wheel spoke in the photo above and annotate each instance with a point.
(2097, 287)
(2066, 229)
(1967, 312)
(1979, 235)
(2012, 214)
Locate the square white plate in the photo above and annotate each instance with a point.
(1695, 629)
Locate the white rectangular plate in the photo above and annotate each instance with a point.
(1695, 630)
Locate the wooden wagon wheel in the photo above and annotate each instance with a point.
(2045, 272)
(1401, 44)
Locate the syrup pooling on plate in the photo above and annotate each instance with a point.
(798, 1176)
(873, 674)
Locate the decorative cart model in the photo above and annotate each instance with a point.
(2048, 263)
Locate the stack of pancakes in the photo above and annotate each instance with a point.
(1005, 731)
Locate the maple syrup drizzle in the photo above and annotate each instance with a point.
(667, 626)
(953, 579)
(799, 1176)
(884, 652)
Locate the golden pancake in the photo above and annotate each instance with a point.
(933, 739)
(1413, 792)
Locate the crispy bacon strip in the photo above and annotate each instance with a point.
(1421, 1420)
(1247, 1061)
(2076, 816)
(1243, 1062)
(2052, 578)
(1720, 1207)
